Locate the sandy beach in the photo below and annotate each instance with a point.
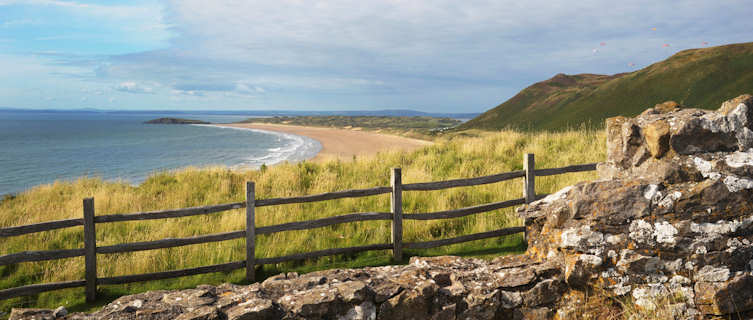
(341, 143)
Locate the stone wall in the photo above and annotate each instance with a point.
(671, 216)
(512, 287)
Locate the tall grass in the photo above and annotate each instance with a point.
(467, 155)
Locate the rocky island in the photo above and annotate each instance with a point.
(175, 121)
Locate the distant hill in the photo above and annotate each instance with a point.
(701, 78)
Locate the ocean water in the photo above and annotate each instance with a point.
(41, 147)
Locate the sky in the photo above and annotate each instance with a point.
(427, 55)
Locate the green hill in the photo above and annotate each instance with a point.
(701, 78)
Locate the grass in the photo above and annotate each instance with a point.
(598, 303)
(417, 126)
(470, 154)
(702, 78)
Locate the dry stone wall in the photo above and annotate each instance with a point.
(511, 287)
(671, 216)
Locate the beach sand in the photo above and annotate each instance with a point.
(341, 143)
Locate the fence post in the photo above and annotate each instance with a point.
(529, 186)
(396, 206)
(250, 231)
(90, 248)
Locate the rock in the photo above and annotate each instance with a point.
(515, 277)
(60, 312)
(406, 305)
(202, 313)
(364, 311)
(580, 268)
(712, 274)
(175, 121)
(722, 298)
(31, 314)
(187, 298)
(544, 292)
(730, 105)
(255, 309)
(667, 107)
(316, 303)
(657, 138)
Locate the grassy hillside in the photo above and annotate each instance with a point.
(701, 78)
(467, 155)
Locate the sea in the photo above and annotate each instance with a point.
(40, 147)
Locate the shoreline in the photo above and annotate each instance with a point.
(340, 144)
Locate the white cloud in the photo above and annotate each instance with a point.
(133, 87)
(389, 53)
(193, 93)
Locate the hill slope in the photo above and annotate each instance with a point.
(701, 78)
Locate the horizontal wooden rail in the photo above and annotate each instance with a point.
(169, 243)
(225, 267)
(396, 216)
(27, 256)
(318, 223)
(39, 227)
(568, 169)
(462, 212)
(172, 213)
(37, 288)
(324, 196)
(322, 253)
(466, 238)
(425, 186)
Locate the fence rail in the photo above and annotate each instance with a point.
(396, 216)
(39, 227)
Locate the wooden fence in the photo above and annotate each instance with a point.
(396, 216)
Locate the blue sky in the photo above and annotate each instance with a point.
(437, 55)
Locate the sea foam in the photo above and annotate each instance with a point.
(295, 148)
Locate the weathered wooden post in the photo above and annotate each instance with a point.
(396, 205)
(90, 249)
(529, 186)
(250, 231)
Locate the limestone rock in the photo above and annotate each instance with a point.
(657, 138)
(31, 314)
(730, 105)
(730, 297)
(255, 309)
